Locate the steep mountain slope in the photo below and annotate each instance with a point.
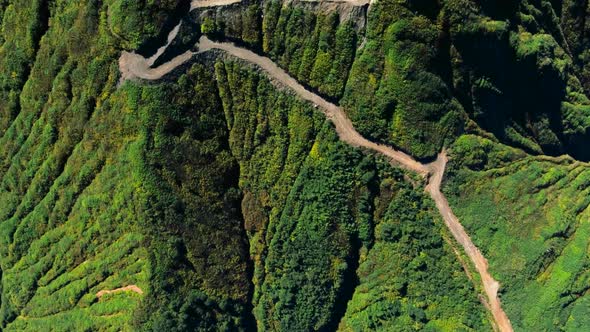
(213, 197)
(425, 65)
(530, 217)
(330, 221)
(426, 72)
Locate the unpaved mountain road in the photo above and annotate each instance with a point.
(343, 125)
(491, 286)
(135, 66)
(348, 134)
(171, 36)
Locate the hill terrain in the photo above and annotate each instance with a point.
(280, 165)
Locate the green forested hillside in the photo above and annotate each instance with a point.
(424, 66)
(411, 279)
(216, 199)
(530, 217)
(317, 47)
(105, 187)
(321, 212)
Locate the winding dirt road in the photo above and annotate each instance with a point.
(135, 66)
(349, 135)
(171, 36)
(343, 125)
(491, 286)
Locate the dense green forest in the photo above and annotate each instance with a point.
(323, 211)
(231, 204)
(425, 67)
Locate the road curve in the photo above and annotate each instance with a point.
(349, 135)
(343, 125)
(491, 286)
(133, 65)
